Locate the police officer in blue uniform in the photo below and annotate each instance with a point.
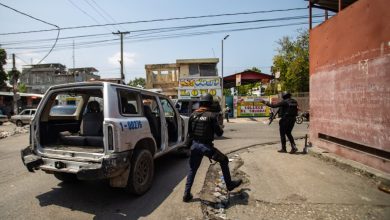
(202, 126)
(288, 110)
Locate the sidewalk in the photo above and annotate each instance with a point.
(285, 186)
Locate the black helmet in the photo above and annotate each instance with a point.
(286, 95)
(206, 98)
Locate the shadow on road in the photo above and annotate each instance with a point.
(99, 199)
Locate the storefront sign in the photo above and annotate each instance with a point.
(195, 87)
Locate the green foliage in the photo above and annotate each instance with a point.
(254, 69)
(3, 61)
(292, 61)
(271, 89)
(227, 92)
(13, 76)
(137, 82)
(22, 87)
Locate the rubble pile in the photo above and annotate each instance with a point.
(215, 197)
(17, 130)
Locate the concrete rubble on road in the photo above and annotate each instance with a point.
(8, 129)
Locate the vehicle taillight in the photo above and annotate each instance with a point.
(110, 138)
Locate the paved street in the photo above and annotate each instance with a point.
(40, 196)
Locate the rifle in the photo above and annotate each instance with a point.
(272, 117)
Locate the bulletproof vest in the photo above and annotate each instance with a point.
(291, 109)
(202, 126)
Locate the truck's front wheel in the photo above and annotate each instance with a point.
(141, 172)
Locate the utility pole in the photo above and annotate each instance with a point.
(223, 97)
(121, 61)
(74, 62)
(14, 84)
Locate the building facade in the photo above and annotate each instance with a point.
(349, 83)
(165, 77)
(38, 78)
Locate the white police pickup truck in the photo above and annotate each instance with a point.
(115, 133)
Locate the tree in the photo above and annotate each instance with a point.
(292, 61)
(13, 76)
(254, 69)
(3, 61)
(137, 82)
(22, 87)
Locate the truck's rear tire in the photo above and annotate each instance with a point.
(66, 177)
(141, 172)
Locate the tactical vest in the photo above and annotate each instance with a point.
(291, 108)
(202, 126)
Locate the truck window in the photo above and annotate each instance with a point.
(128, 102)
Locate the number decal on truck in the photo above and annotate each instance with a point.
(133, 125)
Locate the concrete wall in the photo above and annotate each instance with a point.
(350, 83)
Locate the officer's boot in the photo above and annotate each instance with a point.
(294, 149)
(234, 184)
(283, 150)
(187, 197)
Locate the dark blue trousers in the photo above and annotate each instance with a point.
(198, 150)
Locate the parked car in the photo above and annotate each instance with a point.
(3, 118)
(115, 133)
(24, 117)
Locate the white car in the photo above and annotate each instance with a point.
(115, 133)
(24, 117)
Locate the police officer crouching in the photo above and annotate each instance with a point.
(202, 126)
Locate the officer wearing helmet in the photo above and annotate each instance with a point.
(288, 110)
(202, 126)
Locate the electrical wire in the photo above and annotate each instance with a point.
(156, 20)
(84, 12)
(153, 38)
(175, 28)
(30, 16)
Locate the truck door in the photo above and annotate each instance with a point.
(172, 122)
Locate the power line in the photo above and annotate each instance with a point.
(106, 13)
(176, 28)
(157, 20)
(152, 38)
(84, 12)
(30, 16)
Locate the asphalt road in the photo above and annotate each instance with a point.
(38, 195)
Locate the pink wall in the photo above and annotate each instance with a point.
(350, 81)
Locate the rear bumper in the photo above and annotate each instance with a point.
(109, 167)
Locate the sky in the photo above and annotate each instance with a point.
(250, 44)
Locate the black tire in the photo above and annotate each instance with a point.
(1, 122)
(299, 120)
(19, 123)
(141, 172)
(66, 177)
